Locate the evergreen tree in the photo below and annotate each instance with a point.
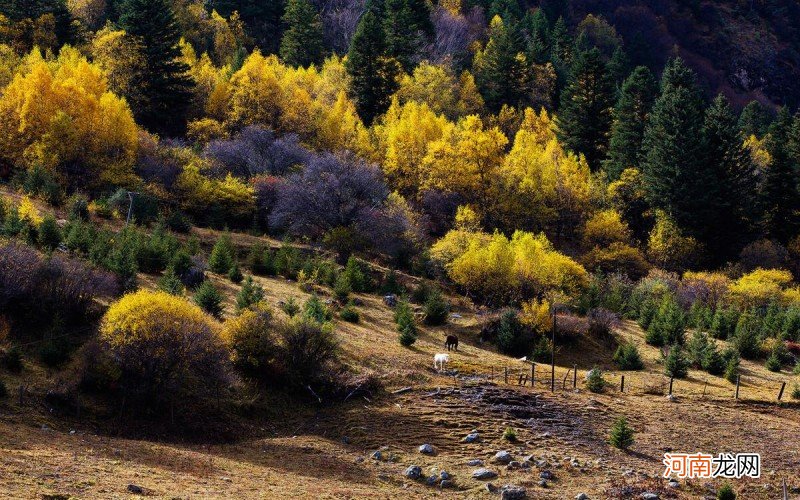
(630, 118)
(373, 73)
(509, 10)
(500, 73)
(754, 119)
(209, 299)
(421, 17)
(164, 83)
(585, 118)
(262, 19)
(301, 44)
(561, 43)
(621, 435)
(676, 175)
(251, 294)
(676, 365)
(730, 194)
(538, 30)
(222, 256)
(779, 197)
(403, 39)
(619, 66)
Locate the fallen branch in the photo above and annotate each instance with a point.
(402, 391)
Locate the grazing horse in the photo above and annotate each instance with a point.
(451, 342)
(440, 361)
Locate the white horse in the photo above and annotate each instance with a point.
(440, 361)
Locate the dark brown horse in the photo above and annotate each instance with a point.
(451, 342)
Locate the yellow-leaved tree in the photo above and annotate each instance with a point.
(59, 113)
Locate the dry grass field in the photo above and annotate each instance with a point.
(326, 451)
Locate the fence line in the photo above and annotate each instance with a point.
(538, 376)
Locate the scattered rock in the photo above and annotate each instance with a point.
(413, 472)
(483, 473)
(546, 474)
(575, 463)
(475, 462)
(512, 465)
(511, 492)
(45, 428)
(543, 483)
(648, 496)
(671, 398)
(390, 300)
(55, 496)
(446, 483)
(503, 457)
(445, 475)
(432, 480)
(345, 440)
(491, 488)
(673, 483)
(471, 437)
(377, 455)
(581, 496)
(426, 449)
(135, 489)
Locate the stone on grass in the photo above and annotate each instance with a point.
(413, 472)
(649, 496)
(511, 492)
(445, 475)
(426, 449)
(377, 455)
(546, 474)
(471, 437)
(543, 483)
(135, 489)
(446, 483)
(581, 496)
(475, 462)
(503, 457)
(483, 473)
(673, 483)
(432, 480)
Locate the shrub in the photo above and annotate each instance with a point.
(796, 391)
(713, 361)
(647, 311)
(542, 349)
(209, 299)
(675, 364)
(601, 322)
(290, 307)
(436, 309)
(341, 289)
(595, 381)
(12, 359)
(621, 434)
(308, 349)
(315, 310)
(261, 261)
(406, 325)
(253, 341)
(180, 344)
(421, 292)
(668, 325)
(222, 255)
(790, 330)
(627, 357)
(251, 294)
(510, 434)
(700, 316)
(350, 314)
(181, 263)
(179, 222)
(511, 334)
(235, 274)
(726, 492)
(732, 368)
(287, 261)
(723, 324)
(390, 284)
(358, 274)
(170, 283)
(49, 234)
(697, 347)
(773, 363)
(747, 338)
(55, 352)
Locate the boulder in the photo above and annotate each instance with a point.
(483, 473)
(446, 483)
(413, 472)
(135, 489)
(475, 462)
(471, 437)
(503, 457)
(649, 496)
(546, 474)
(581, 496)
(426, 449)
(390, 300)
(511, 492)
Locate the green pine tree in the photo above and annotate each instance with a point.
(372, 71)
(209, 299)
(500, 74)
(251, 294)
(730, 195)
(164, 84)
(584, 120)
(621, 434)
(676, 365)
(538, 29)
(633, 107)
(678, 180)
(301, 44)
(222, 255)
(779, 197)
(754, 119)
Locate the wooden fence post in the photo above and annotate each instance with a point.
(575, 377)
(533, 373)
(506, 375)
(704, 387)
(780, 393)
(671, 379)
(622, 384)
(737, 386)
(492, 379)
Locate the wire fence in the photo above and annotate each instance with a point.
(543, 377)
